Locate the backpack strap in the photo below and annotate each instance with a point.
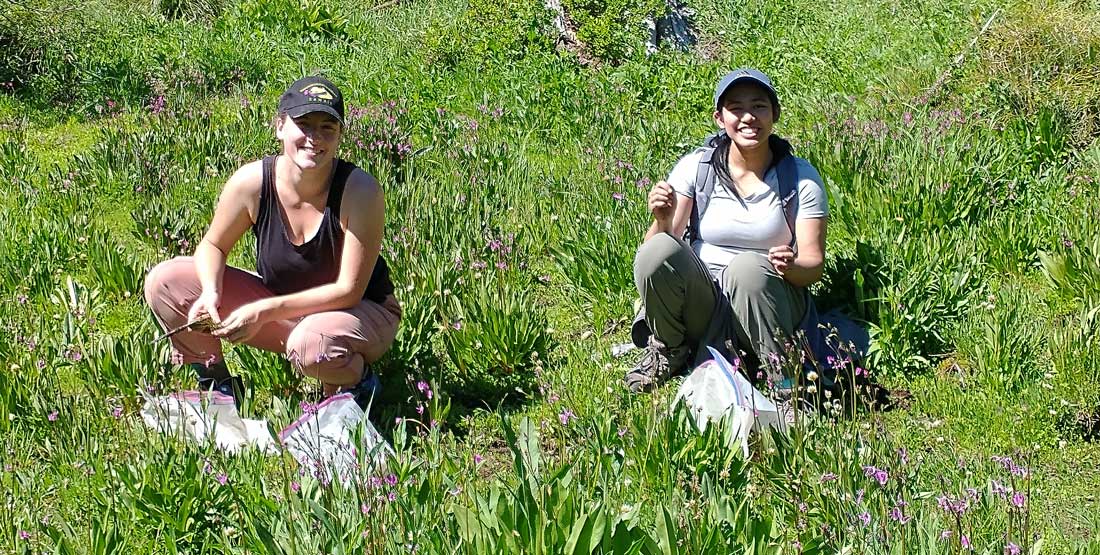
(787, 171)
(705, 179)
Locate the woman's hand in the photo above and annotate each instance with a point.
(781, 258)
(243, 323)
(662, 203)
(206, 305)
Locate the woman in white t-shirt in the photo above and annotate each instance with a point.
(742, 277)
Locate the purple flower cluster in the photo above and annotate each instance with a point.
(379, 131)
(877, 474)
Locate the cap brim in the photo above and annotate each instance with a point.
(746, 79)
(299, 111)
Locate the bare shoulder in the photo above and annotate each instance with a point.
(242, 192)
(246, 181)
(362, 190)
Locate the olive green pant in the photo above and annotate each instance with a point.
(749, 305)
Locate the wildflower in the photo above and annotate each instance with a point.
(423, 386)
(307, 407)
(52, 417)
(22, 299)
(622, 432)
(116, 412)
(223, 479)
(364, 508)
(420, 408)
(864, 518)
(617, 196)
(1012, 549)
(946, 534)
(392, 496)
(1018, 500)
(878, 474)
(828, 477)
(391, 480)
(565, 416)
(812, 376)
(24, 535)
(295, 487)
(455, 491)
(964, 541)
(207, 468)
(40, 364)
(457, 325)
(897, 515)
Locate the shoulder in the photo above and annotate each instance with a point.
(246, 181)
(361, 189)
(806, 172)
(812, 198)
(693, 158)
(683, 174)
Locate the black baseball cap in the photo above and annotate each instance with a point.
(750, 75)
(312, 94)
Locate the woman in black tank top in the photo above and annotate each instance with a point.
(321, 293)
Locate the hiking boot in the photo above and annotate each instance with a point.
(216, 377)
(654, 368)
(366, 390)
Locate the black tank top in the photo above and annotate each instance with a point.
(288, 268)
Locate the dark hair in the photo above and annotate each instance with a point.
(721, 143)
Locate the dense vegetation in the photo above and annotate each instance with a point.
(958, 140)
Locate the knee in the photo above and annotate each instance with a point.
(161, 276)
(747, 275)
(310, 348)
(658, 254)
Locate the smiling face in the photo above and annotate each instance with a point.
(310, 140)
(747, 115)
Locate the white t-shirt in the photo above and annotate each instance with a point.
(755, 223)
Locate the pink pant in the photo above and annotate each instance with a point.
(331, 346)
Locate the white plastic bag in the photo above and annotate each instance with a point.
(716, 389)
(201, 415)
(323, 440)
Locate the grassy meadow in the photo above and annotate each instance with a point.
(959, 141)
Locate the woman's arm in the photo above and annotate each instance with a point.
(806, 267)
(233, 217)
(363, 207)
(671, 211)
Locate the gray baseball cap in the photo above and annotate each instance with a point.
(746, 75)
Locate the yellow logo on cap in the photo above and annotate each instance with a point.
(317, 90)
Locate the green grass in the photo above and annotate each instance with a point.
(962, 229)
